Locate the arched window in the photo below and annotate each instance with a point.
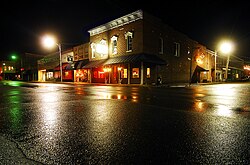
(129, 37)
(114, 44)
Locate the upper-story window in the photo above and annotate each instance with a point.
(177, 47)
(129, 39)
(114, 44)
(160, 45)
(93, 47)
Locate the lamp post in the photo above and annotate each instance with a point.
(49, 42)
(215, 68)
(226, 48)
(60, 60)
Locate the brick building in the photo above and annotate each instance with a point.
(139, 48)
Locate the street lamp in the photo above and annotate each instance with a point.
(226, 47)
(49, 42)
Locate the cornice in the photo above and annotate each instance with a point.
(117, 22)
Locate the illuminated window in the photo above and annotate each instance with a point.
(177, 49)
(102, 47)
(135, 73)
(124, 73)
(129, 37)
(49, 75)
(114, 44)
(93, 47)
(160, 45)
(148, 72)
(99, 74)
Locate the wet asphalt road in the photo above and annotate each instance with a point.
(43, 123)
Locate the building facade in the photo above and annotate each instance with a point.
(137, 48)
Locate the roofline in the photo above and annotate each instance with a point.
(117, 22)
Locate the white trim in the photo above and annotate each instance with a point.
(117, 22)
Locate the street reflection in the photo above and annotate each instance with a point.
(223, 110)
(49, 114)
(199, 106)
(226, 98)
(79, 91)
(135, 94)
(102, 126)
(221, 100)
(15, 109)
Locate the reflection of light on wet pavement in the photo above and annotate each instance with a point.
(226, 94)
(223, 110)
(135, 99)
(79, 91)
(199, 95)
(200, 106)
(50, 98)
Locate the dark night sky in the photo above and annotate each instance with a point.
(24, 22)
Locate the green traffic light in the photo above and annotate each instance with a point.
(13, 57)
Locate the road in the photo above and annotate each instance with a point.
(49, 123)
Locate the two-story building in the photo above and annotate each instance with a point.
(137, 48)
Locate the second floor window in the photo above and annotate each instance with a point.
(177, 49)
(93, 47)
(129, 39)
(114, 44)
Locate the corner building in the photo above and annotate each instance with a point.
(139, 48)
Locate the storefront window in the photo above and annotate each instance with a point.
(148, 72)
(135, 73)
(49, 75)
(98, 74)
(124, 73)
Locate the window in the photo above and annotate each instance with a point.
(129, 39)
(160, 45)
(148, 72)
(124, 73)
(99, 74)
(114, 44)
(86, 52)
(93, 47)
(70, 58)
(135, 73)
(177, 49)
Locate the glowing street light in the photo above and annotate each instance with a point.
(49, 42)
(226, 47)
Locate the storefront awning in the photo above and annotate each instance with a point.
(82, 63)
(70, 66)
(136, 58)
(200, 69)
(58, 67)
(93, 64)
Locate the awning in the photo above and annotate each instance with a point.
(200, 69)
(93, 64)
(58, 67)
(136, 58)
(82, 63)
(70, 66)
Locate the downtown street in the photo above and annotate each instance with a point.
(69, 123)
